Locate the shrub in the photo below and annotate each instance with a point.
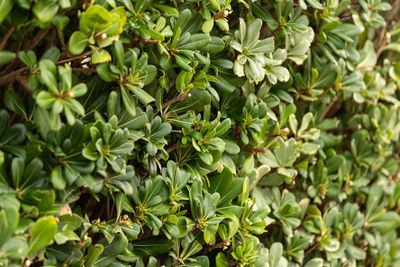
(199, 133)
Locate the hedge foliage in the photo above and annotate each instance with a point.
(199, 133)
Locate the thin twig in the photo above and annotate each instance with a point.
(6, 36)
(12, 77)
(253, 149)
(24, 83)
(79, 56)
(382, 44)
(222, 244)
(382, 35)
(311, 249)
(330, 106)
(35, 42)
(173, 147)
(173, 100)
(220, 15)
(176, 99)
(392, 13)
(84, 70)
(348, 128)
(83, 242)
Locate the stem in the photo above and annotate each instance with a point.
(84, 70)
(311, 249)
(173, 100)
(383, 43)
(330, 106)
(6, 36)
(176, 99)
(220, 15)
(12, 77)
(392, 13)
(173, 147)
(253, 150)
(35, 42)
(83, 241)
(79, 56)
(348, 128)
(222, 244)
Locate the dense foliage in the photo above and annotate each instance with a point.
(199, 133)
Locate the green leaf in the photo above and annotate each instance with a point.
(9, 217)
(119, 53)
(52, 54)
(6, 57)
(28, 57)
(198, 99)
(100, 56)
(221, 183)
(248, 164)
(14, 248)
(5, 8)
(117, 246)
(369, 59)
(206, 157)
(103, 70)
(95, 19)
(221, 260)
(223, 127)
(152, 246)
(77, 42)
(57, 178)
(315, 4)
(45, 100)
(196, 41)
(13, 102)
(94, 252)
(48, 74)
(44, 10)
(42, 233)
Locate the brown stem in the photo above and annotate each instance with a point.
(328, 108)
(233, 263)
(24, 83)
(84, 70)
(348, 128)
(382, 35)
(79, 56)
(12, 77)
(220, 15)
(173, 147)
(138, 39)
(222, 244)
(174, 100)
(253, 149)
(272, 134)
(392, 13)
(311, 249)
(6, 36)
(307, 14)
(35, 42)
(83, 241)
(382, 44)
